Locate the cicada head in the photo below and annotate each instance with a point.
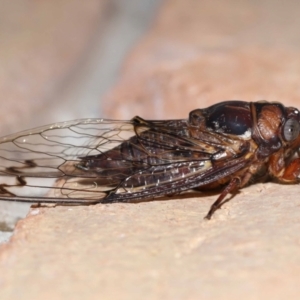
(274, 127)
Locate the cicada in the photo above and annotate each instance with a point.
(227, 145)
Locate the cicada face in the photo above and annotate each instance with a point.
(103, 161)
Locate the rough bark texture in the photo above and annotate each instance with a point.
(198, 53)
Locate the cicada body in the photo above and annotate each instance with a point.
(86, 161)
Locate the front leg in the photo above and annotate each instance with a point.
(291, 173)
(282, 171)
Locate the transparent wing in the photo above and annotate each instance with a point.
(43, 162)
(96, 160)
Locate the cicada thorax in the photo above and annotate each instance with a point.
(227, 124)
(230, 117)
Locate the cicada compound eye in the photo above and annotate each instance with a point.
(291, 130)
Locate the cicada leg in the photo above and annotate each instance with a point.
(291, 173)
(233, 186)
(281, 170)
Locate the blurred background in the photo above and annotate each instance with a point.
(58, 59)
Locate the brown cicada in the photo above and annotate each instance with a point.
(90, 161)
